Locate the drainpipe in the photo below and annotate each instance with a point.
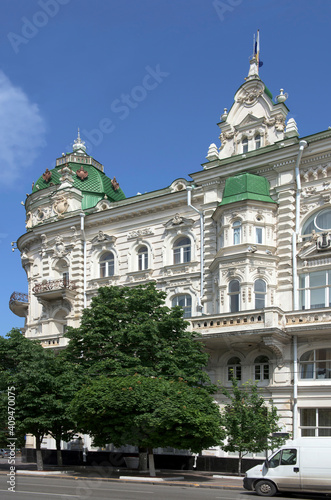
(82, 228)
(295, 386)
(202, 244)
(302, 145)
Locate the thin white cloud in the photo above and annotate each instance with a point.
(22, 131)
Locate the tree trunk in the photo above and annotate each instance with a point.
(151, 462)
(59, 452)
(142, 459)
(239, 463)
(40, 463)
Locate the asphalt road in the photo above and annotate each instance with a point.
(51, 488)
(42, 488)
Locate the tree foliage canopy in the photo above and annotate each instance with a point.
(43, 385)
(129, 330)
(148, 412)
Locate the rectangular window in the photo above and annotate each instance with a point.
(315, 422)
(314, 290)
(236, 236)
(259, 235)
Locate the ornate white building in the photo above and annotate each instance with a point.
(244, 248)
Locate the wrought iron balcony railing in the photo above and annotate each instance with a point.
(19, 297)
(19, 303)
(52, 285)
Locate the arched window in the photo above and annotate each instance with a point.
(236, 226)
(261, 368)
(245, 145)
(234, 294)
(257, 141)
(107, 267)
(260, 290)
(316, 364)
(185, 302)
(143, 258)
(318, 222)
(182, 250)
(234, 368)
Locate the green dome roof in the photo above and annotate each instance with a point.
(95, 186)
(246, 187)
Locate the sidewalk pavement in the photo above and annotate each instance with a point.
(189, 478)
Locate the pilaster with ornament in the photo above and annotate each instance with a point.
(286, 223)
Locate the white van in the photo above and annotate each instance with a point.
(302, 465)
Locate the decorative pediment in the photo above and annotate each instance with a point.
(102, 238)
(249, 120)
(178, 221)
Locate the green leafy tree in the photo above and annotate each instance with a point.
(148, 412)
(248, 421)
(67, 380)
(43, 386)
(129, 330)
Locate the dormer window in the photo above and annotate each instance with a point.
(257, 141)
(245, 145)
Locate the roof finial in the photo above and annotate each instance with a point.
(79, 145)
(255, 62)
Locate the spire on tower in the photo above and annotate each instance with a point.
(79, 145)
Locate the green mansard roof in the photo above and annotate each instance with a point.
(246, 187)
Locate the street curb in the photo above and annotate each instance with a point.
(63, 475)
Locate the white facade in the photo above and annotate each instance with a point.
(252, 269)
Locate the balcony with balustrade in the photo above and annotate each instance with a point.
(19, 303)
(253, 326)
(55, 289)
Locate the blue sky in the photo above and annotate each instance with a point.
(146, 82)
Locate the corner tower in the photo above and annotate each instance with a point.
(254, 120)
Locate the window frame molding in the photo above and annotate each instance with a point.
(183, 294)
(102, 254)
(314, 362)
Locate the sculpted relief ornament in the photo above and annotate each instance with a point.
(59, 248)
(249, 97)
(60, 205)
(139, 233)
